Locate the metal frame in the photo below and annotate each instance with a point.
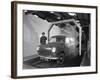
(66, 21)
(14, 37)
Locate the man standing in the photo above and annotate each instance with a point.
(43, 39)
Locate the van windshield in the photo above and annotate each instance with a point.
(57, 39)
(52, 39)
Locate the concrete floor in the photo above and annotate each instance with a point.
(37, 63)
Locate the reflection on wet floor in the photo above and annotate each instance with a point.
(38, 63)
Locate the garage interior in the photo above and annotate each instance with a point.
(36, 22)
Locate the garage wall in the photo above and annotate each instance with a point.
(33, 26)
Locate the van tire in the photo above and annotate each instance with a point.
(61, 58)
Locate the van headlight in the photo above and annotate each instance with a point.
(53, 49)
(37, 48)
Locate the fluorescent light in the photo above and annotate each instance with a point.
(72, 14)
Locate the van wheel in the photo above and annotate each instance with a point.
(61, 58)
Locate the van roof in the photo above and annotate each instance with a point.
(58, 36)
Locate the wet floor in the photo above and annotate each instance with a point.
(38, 63)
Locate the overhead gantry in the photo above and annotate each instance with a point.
(68, 21)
